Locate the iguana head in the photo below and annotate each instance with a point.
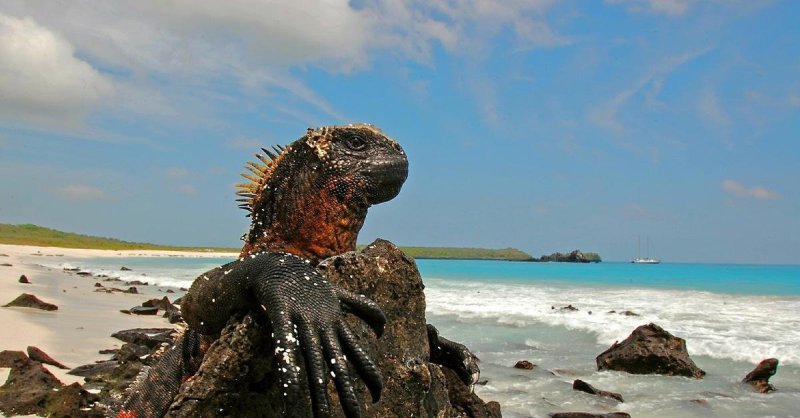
(310, 198)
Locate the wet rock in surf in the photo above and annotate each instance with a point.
(650, 350)
(589, 415)
(24, 279)
(759, 377)
(525, 365)
(585, 387)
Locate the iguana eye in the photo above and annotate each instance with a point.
(356, 143)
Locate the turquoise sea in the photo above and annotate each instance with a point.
(731, 316)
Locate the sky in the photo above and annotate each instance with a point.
(542, 125)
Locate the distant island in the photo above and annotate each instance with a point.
(574, 257)
(29, 234)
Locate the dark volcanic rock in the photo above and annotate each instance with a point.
(26, 300)
(137, 283)
(131, 290)
(150, 337)
(7, 265)
(525, 365)
(589, 415)
(585, 387)
(143, 310)
(171, 312)
(32, 389)
(650, 350)
(759, 377)
(37, 354)
(24, 279)
(573, 257)
(238, 374)
(123, 268)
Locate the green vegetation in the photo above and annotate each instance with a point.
(459, 253)
(593, 257)
(29, 234)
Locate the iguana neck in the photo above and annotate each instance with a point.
(316, 225)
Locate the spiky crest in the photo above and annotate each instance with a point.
(261, 173)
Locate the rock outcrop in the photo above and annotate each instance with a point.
(238, 373)
(574, 257)
(32, 390)
(758, 378)
(650, 350)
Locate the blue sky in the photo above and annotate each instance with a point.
(542, 125)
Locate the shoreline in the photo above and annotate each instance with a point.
(85, 319)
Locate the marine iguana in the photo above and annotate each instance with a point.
(306, 202)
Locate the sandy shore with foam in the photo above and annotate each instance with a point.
(85, 319)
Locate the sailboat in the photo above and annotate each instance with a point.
(646, 259)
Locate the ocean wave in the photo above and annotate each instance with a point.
(735, 327)
(183, 278)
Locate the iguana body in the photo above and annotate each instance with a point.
(307, 202)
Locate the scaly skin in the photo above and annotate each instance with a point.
(307, 203)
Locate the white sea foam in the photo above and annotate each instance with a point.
(152, 276)
(742, 328)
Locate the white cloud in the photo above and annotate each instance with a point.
(665, 7)
(710, 107)
(177, 172)
(606, 114)
(186, 189)
(740, 190)
(157, 55)
(81, 192)
(41, 79)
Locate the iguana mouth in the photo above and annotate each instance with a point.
(387, 178)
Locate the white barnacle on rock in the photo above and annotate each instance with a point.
(333, 374)
(333, 361)
(227, 271)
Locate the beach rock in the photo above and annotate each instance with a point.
(238, 373)
(3, 255)
(525, 365)
(24, 279)
(629, 313)
(650, 350)
(131, 290)
(143, 310)
(137, 283)
(589, 415)
(123, 268)
(37, 354)
(169, 291)
(149, 337)
(83, 273)
(7, 265)
(98, 285)
(759, 377)
(32, 390)
(26, 300)
(585, 387)
(171, 312)
(568, 308)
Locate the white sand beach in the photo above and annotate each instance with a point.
(85, 319)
